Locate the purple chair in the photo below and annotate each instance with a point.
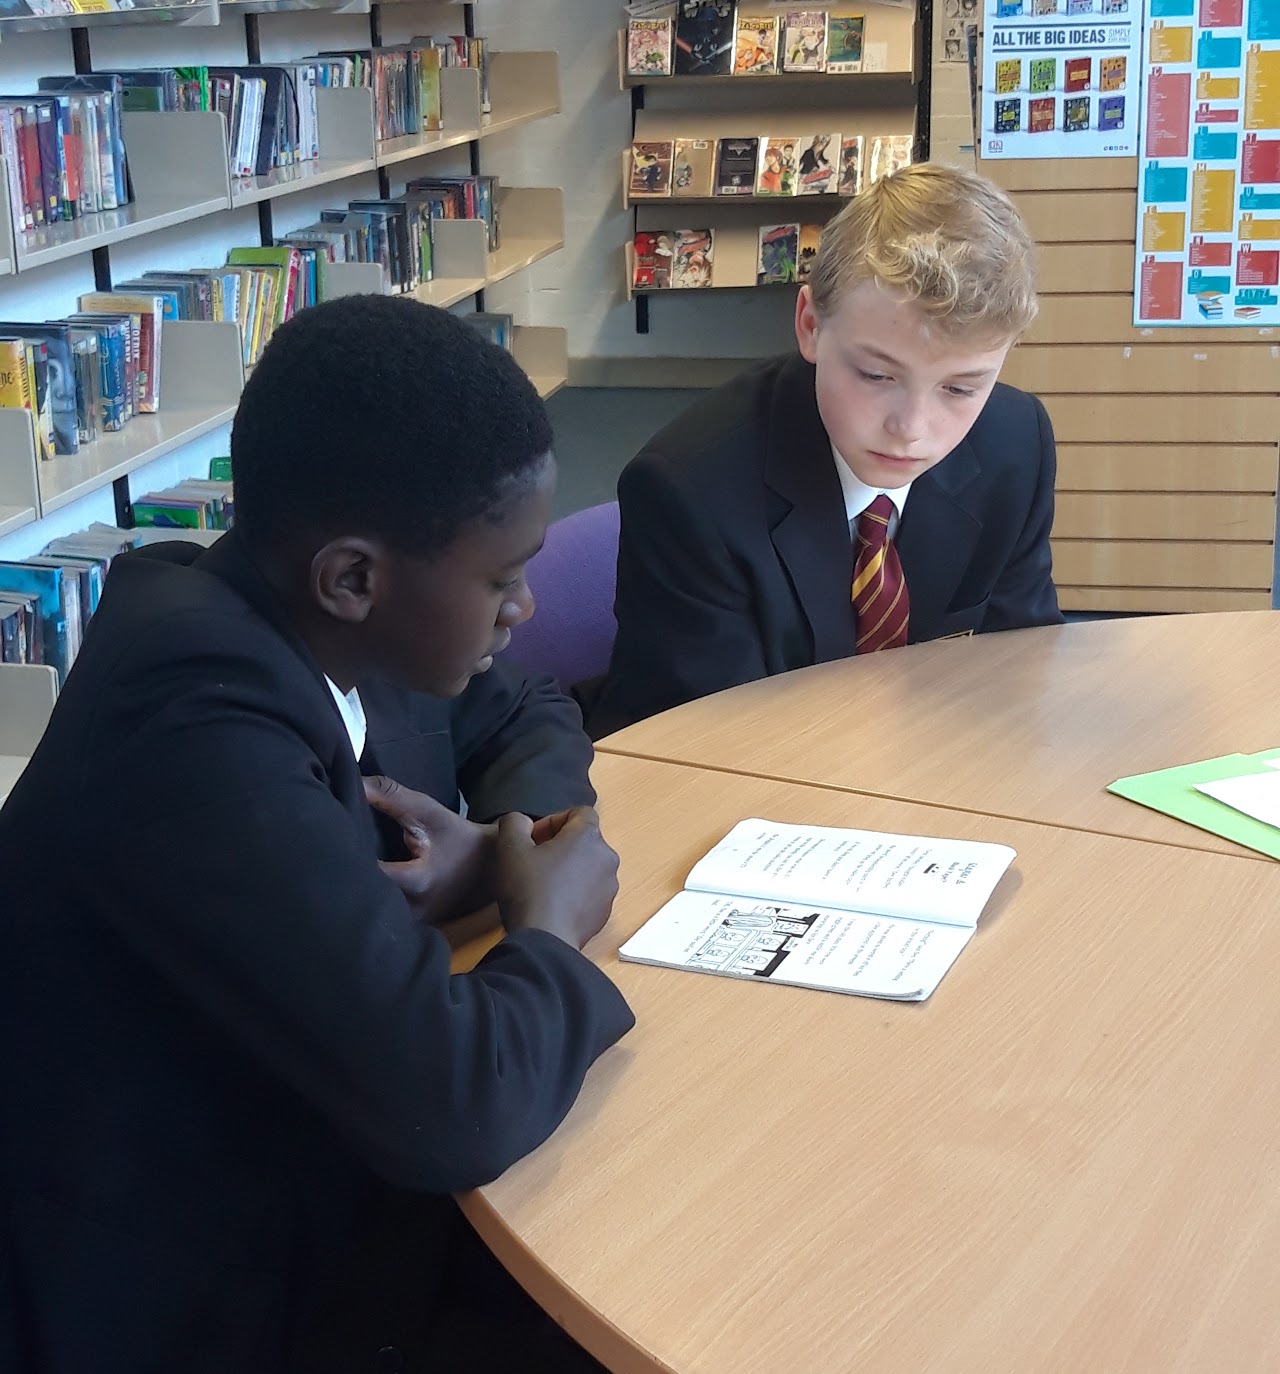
(572, 579)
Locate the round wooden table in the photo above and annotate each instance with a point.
(1065, 1160)
(1032, 724)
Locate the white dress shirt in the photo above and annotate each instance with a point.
(351, 709)
(858, 496)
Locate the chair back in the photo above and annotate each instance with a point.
(572, 579)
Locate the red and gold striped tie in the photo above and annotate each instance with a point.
(879, 589)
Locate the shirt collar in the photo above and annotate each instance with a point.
(858, 496)
(351, 709)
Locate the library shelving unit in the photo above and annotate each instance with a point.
(880, 100)
(179, 167)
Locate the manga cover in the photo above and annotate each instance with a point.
(736, 166)
(778, 167)
(652, 261)
(817, 170)
(844, 43)
(892, 153)
(756, 53)
(704, 38)
(850, 182)
(805, 41)
(691, 260)
(651, 168)
(649, 47)
(779, 247)
(693, 167)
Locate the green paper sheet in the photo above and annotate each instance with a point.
(1172, 791)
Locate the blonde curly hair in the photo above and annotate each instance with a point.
(949, 240)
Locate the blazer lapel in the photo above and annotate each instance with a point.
(937, 537)
(812, 536)
(228, 560)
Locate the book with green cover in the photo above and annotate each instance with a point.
(1172, 791)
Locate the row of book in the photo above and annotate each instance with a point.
(64, 145)
(64, 150)
(778, 165)
(47, 601)
(667, 259)
(97, 369)
(90, 372)
(399, 232)
(720, 38)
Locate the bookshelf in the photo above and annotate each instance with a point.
(344, 123)
(539, 214)
(202, 13)
(879, 101)
(185, 195)
(19, 490)
(8, 262)
(201, 377)
(543, 352)
(178, 163)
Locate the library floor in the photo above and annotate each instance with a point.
(599, 430)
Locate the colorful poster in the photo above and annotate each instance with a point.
(1209, 187)
(1059, 78)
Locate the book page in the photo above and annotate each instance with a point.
(1256, 794)
(834, 951)
(947, 881)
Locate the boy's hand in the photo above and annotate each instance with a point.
(557, 874)
(451, 871)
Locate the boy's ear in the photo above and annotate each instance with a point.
(347, 576)
(806, 325)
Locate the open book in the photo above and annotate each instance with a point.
(842, 910)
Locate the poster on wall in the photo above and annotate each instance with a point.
(1209, 173)
(1060, 78)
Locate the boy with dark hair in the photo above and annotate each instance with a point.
(237, 1074)
(878, 487)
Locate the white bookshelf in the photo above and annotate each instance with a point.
(543, 352)
(189, 206)
(19, 489)
(532, 228)
(344, 120)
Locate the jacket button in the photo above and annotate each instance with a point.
(390, 1360)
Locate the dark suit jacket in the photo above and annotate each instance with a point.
(735, 560)
(232, 1065)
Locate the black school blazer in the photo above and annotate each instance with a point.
(234, 1069)
(735, 560)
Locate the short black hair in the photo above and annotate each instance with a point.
(380, 416)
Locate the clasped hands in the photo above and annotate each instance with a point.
(556, 874)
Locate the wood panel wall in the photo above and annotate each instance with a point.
(1167, 438)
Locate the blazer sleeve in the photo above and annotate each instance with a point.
(686, 627)
(251, 890)
(520, 746)
(1025, 594)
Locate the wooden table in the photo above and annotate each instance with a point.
(1032, 724)
(1065, 1161)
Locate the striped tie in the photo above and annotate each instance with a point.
(879, 589)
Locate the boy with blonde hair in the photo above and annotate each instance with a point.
(878, 487)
